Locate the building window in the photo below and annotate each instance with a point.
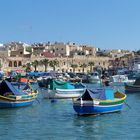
(64, 63)
(10, 64)
(15, 63)
(21, 52)
(62, 49)
(19, 63)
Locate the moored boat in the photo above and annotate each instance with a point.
(63, 89)
(133, 88)
(11, 97)
(94, 78)
(99, 101)
(120, 80)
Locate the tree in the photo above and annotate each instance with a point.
(45, 62)
(74, 66)
(35, 64)
(29, 49)
(27, 67)
(83, 66)
(54, 63)
(91, 64)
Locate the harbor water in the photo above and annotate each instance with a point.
(56, 120)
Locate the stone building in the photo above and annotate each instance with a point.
(16, 55)
(89, 50)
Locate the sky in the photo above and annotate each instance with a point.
(105, 24)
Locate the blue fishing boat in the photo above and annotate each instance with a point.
(11, 97)
(99, 101)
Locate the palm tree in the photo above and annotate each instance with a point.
(35, 64)
(74, 66)
(54, 63)
(45, 62)
(83, 66)
(27, 67)
(91, 64)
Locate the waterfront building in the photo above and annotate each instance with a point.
(119, 53)
(121, 58)
(17, 49)
(89, 50)
(15, 55)
(37, 49)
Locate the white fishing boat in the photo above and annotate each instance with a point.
(118, 80)
(94, 78)
(61, 90)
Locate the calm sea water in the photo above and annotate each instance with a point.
(46, 120)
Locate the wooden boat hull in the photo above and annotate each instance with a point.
(132, 88)
(98, 106)
(97, 109)
(64, 93)
(94, 81)
(120, 83)
(11, 97)
(117, 84)
(14, 104)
